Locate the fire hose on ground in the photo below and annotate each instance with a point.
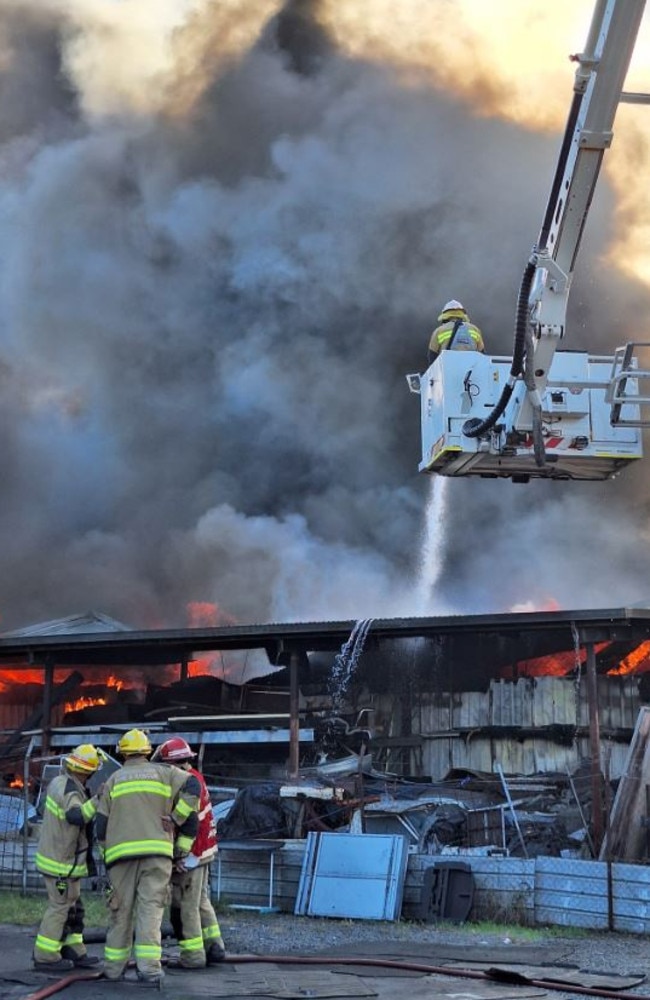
(489, 975)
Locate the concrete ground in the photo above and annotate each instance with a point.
(463, 976)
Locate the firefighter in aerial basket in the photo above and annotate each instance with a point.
(192, 914)
(64, 857)
(455, 332)
(147, 818)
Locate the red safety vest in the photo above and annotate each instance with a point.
(205, 843)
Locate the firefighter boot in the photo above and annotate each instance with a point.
(59, 965)
(150, 978)
(216, 952)
(79, 961)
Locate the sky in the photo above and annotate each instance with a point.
(226, 229)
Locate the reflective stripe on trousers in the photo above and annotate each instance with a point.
(197, 919)
(136, 905)
(53, 930)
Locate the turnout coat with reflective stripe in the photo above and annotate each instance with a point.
(135, 809)
(63, 843)
(468, 337)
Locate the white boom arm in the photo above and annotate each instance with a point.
(599, 81)
(548, 413)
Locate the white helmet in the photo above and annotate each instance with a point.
(453, 308)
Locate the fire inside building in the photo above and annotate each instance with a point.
(493, 710)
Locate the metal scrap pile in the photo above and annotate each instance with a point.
(465, 812)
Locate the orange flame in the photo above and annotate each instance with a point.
(635, 662)
(87, 701)
(555, 664)
(82, 702)
(547, 604)
(205, 614)
(9, 677)
(200, 667)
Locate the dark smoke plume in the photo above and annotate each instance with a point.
(211, 287)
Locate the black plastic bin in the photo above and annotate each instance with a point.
(447, 892)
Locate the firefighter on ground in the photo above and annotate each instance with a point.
(146, 819)
(455, 332)
(64, 857)
(192, 914)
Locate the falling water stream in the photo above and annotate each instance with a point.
(346, 661)
(432, 546)
(430, 567)
(577, 649)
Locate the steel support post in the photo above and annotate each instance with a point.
(594, 748)
(294, 717)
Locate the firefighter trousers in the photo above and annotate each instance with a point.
(62, 922)
(193, 918)
(137, 896)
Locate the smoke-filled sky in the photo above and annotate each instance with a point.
(226, 229)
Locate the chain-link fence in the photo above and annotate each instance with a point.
(21, 814)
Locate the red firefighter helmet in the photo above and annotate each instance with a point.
(174, 751)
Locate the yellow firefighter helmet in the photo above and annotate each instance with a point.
(84, 759)
(134, 742)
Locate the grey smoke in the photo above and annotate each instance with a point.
(205, 323)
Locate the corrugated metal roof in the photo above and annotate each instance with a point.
(91, 622)
(513, 637)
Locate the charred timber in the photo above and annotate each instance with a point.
(611, 657)
(564, 735)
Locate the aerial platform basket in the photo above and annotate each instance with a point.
(629, 384)
(592, 412)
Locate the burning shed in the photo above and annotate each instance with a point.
(514, 707)
(455, 653)
(532, 691)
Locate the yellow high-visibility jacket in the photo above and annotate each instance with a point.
(468, 338)
(63, 843)
(135, 809)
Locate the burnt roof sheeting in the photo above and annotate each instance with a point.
(483, 640)
(90, 621)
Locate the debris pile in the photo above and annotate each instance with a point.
(465, 812)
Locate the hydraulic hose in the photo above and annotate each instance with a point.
(475, 428)
(490, 975)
